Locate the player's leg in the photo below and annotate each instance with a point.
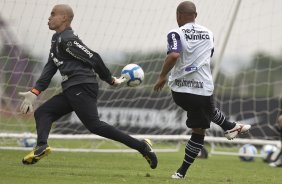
(280, 127)
(232, 129)
(198, 119)
(278, 155)
(45, 115)
(192, 149)
(219, 119)
(85, 106)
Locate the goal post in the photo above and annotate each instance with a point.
(247, 68)
(176, 138)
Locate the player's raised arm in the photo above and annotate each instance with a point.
(169, 63)
(174, 48)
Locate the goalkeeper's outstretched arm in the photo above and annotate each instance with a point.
(78, 50)
(42, 83)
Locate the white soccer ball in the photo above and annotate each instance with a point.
(248, 152)
(134, 74)
(27, 142)
(266, 152)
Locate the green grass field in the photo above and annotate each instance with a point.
(116, 168)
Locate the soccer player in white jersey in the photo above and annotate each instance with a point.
(190, 48)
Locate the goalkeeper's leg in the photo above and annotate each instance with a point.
(85, 106)
(105, 130)
(36, 154)
(45, 115)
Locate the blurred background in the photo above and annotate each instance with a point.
(113, 27)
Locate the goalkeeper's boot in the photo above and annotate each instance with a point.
(239, 128)
(36, 154)
(149, 154)
(177, 176)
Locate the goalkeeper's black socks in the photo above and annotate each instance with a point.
(192, 149)
(219, 119)
(108, 131)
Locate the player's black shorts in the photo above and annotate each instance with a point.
(199, 109)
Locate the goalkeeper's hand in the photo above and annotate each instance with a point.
(27, 104)
(119, 81)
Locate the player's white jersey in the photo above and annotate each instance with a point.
(191, 73)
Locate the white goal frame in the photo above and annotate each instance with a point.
(209, 139)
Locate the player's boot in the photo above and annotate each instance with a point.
(36, 154)
(149, 154)
(277, 163)
(239, 128)
(177, 176)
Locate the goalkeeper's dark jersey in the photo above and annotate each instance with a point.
(75, 61)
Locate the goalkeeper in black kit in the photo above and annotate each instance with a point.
(78, 66)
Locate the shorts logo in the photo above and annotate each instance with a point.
(84, 49)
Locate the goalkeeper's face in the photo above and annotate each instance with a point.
(57, 19)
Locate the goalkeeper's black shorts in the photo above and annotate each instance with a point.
(82, 99)
(199, 109)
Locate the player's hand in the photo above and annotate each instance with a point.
(27, 104)
(160, 83)
(119, 81)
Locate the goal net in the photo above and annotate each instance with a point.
(247, 62)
